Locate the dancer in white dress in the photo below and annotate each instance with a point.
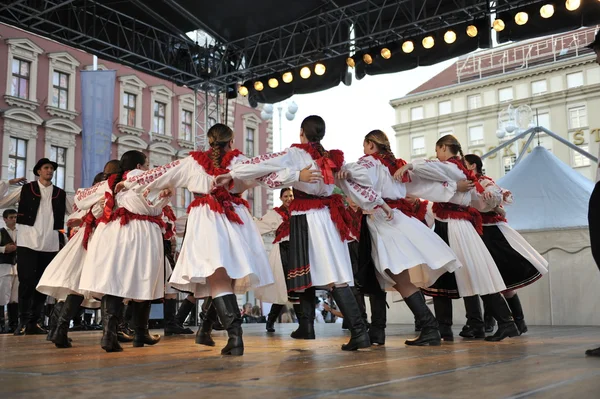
(125, 255)
(406, 253)
(222, 252)
(458, 222)
(318, 228)
(518, 262)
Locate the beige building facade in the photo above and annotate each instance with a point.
(556, 76)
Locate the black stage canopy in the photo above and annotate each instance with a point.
(258, 40)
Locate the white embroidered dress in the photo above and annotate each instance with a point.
(404, 243)
(479, 274)
(125, 260)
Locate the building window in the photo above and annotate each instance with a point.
(444, 107)
(543, 120)
(476, 135)
(129, 103)
(418, 145)
(60, 90)
(509, 163)
(505, 94)
(577, 117)
(445, 133)
(20, 78)
(578, 159)
(539, 87)
(474, 101)
(59, 155)
(159, 118)
(574, 80)
(187, 197)
(251, 201)
(249, 147)
(17, 158)
(416, 113)
(186, 125)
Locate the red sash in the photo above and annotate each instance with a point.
(284, 228)
(220, 201)
(337, 210)
(452, 211)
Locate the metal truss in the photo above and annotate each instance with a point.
(93, 26)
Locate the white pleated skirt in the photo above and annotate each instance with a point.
(62, 276)
(405, 243)
(276, 292)
(212, 242)
(519, 244)
(125, 261)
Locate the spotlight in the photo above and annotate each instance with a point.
(243, 90)
(450, 37)
(258, 85)
(367, 59)
(273, 83)
(428, 42)
(408, 46)
(305, 72)
(471, 30)
(386, 53)
(350, 62)
(287, 77)
(521, 18)
(547, 11)
(320, 69)
(572, 5)
(498, 25)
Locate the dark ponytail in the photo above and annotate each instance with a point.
(129, 161)
(314, 130)
(475, 160)
(453, 144)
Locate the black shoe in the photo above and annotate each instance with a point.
(474, 328)
(203, 336)
(172, 327)
(228, 312)
(501, 312)
(111, 306)
(272, 317)
(430, 334)
(517, 311)
(13, 317)
(472, 332)
(54, 320)
(443, 315)
(488, 319)
(593, 352)
(305, 313)
(378, 318)
(346, 301)
(68, 311)
(35, 329)
(141, 316)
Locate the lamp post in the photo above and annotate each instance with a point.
(290, 114)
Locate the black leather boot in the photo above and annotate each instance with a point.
(443, 314)
(141, 316)
(229, 314)
(273, 315)
(378, 318)
(110, 320)
(360, 300)
(13, 317)
(346, 301)
(593, 352)
(123, 333)
(68, 311)
(501, 312)
(184, 310)
(517, 311)
(475, 326)
(306, 315)
(488, 319)
(430, 334)
(33, 326)
(171, 325)
(53, 320)
(2, 321)
(203, 336)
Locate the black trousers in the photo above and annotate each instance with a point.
(594, 223)
(30, 267)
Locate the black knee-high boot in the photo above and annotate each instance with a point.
(13, 317)
(346, 301)
(171, 325)
(203, 336)
(110, 320)
(53, 320)
(501, 312)
(123, 333)
(306, 315)
(68, 311)
(443, 314)
(229, 314)
(183, 311)
(430, 334)
(517, 311)
(474, 327)
(141, 316)
(378, 318)
(273, 315)
(488, 319)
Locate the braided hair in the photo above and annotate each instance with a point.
(314, 130)
(453, 144)
(219, 135)
(382, 142)
(129, 161)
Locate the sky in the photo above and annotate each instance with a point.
(350, 112)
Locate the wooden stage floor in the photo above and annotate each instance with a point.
(547, 362)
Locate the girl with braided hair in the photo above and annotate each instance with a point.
(222, 253)
(318, 228)
(458, 223)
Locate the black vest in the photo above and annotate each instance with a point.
(11, 258)
(29, 203)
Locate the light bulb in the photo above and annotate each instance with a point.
(547, 11)
(320, 69)
(243, 90)
(386, 53)
(408, 46)
(450, 37)
(305, 72)
(521, 18)
(471, 30)
(498, 25)
(572, 5)
(428, 42)
(350, 62)
(258, 85)
(367, 59)
(273, 83)
(287, 77)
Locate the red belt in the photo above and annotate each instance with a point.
(337, 210)
(492, 218)
(221, 201)
(451, 211)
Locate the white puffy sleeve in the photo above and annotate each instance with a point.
(487, 205)
(432, 190)
(172, 175)
(359, 187)
(85, 198)
(437, 170)
(257, 167)
(11, 199)
(364, 172)
(282, 178)
(269, 222)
